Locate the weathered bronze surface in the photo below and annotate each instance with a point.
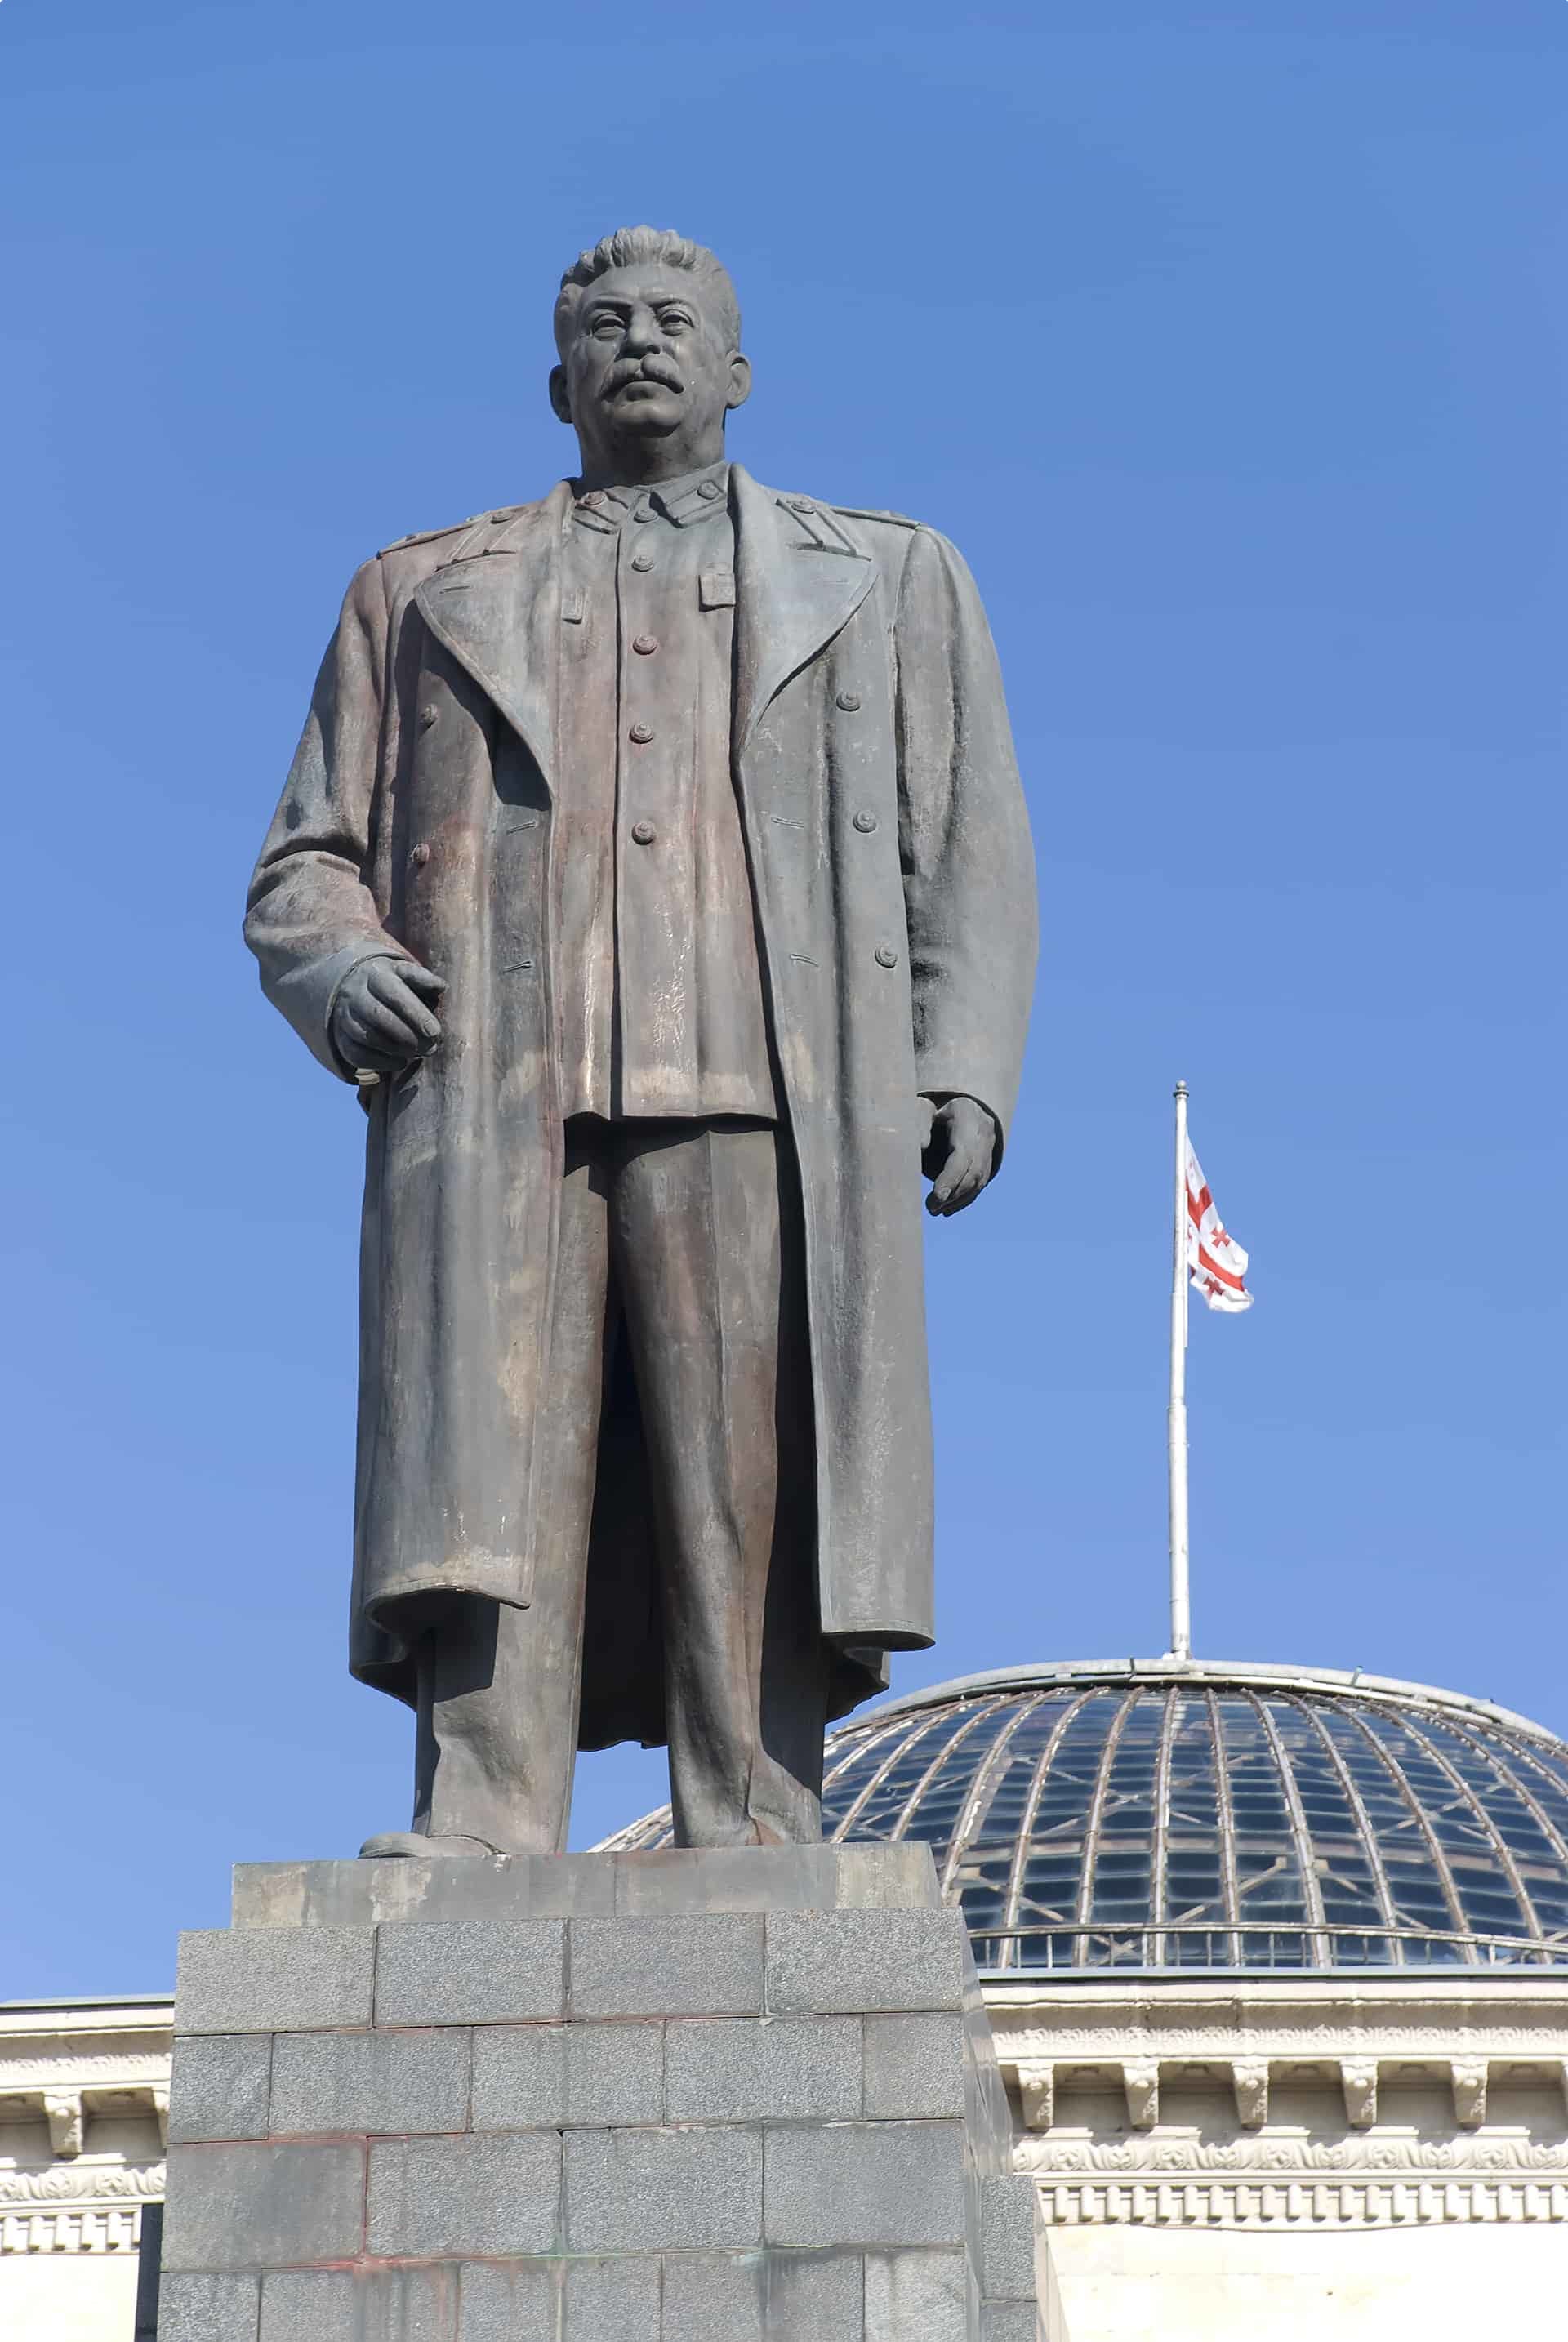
(655, 858)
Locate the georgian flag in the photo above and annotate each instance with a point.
(1216, 1260)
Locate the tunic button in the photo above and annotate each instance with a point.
(849, 701)
(885, 957)
(594, 499)
(420, 856)
(865, 822)
(642, 560)
(643, 832)
(709, 488)
(641, 733)
(644, 512)
(800, 504)
(426, 718)
(644, 644)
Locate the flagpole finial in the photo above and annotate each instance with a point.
(1180, 1090)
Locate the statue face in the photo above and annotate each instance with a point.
(649, 361)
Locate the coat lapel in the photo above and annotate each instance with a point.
(498, 613)
(800, 578)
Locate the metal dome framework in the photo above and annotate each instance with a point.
(1149, 1816)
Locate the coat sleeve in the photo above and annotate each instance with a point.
(311, 914)
(969, 884)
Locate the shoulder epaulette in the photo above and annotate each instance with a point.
(427, 535)
(866, 512)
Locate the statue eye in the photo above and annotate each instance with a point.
(675, 321)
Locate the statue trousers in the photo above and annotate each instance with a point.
(680, 1240)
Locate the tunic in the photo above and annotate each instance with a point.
(659, 994)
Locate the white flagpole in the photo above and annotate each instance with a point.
(1176, 1419)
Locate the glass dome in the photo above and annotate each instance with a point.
(1148, 1815)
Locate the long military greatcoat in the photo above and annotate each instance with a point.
(894, 889)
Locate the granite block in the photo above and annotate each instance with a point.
(986, 2110)
(528, 2075)
(888, 1878)
(630, 2191)
(274, 1980)
(675, 1881)
(706, 1965)
(919, 2296)
(467, 1972)
(370, 1893)
(671, 1881)
(253, 2205)
(866, 2184)
(716, 2298)
(208, 2308)
(219, 2086)
(518, 2301)
(453, 2197)
(611, 2300)
(1010, 2217)
(1010, 2321)
(370, 2081)
(752, 2070)
(914, 2065)
(866, 1961)
(817, 2296)
(414, 2304)
(763, 2298)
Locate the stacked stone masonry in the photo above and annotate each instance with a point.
(739, 2097)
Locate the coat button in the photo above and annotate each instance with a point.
(643, 832)
(885, 957)
(642, 560)
(592, 500)
(849, 701)
(709, 489)
(644, 644)
(420, 856)
(427, 716)
(865, 822)
(642, 733)
(800, 504)
(644, 512)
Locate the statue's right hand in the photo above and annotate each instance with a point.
(382, 1020)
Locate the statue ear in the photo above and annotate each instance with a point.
(561, 405)
(740, 380)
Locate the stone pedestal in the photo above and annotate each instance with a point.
(744, 2097)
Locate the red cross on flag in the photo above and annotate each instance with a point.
(1216, 1260)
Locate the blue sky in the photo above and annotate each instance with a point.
(1229, 345)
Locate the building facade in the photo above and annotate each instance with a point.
(1276, 1962)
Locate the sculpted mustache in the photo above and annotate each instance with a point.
(643, 370)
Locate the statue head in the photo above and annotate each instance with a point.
(648, 328)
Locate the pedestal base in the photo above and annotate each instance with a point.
(738, 2096)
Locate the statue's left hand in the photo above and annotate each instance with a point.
(958, 1152)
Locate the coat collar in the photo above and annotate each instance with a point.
(800, 577)
(496, 604)
(497, 607)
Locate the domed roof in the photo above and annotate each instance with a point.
(1151, 1814)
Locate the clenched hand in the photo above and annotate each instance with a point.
(382, 1020)
(958, 1152)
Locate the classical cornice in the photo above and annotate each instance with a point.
(1257, 2101)
(1347, 2200)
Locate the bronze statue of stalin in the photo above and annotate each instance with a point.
(654, 859)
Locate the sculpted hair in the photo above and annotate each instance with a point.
(631, 247)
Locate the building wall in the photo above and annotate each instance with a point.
(83, 2102)
(1242, 2160)
(67, 2297)
(1282, 2285)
